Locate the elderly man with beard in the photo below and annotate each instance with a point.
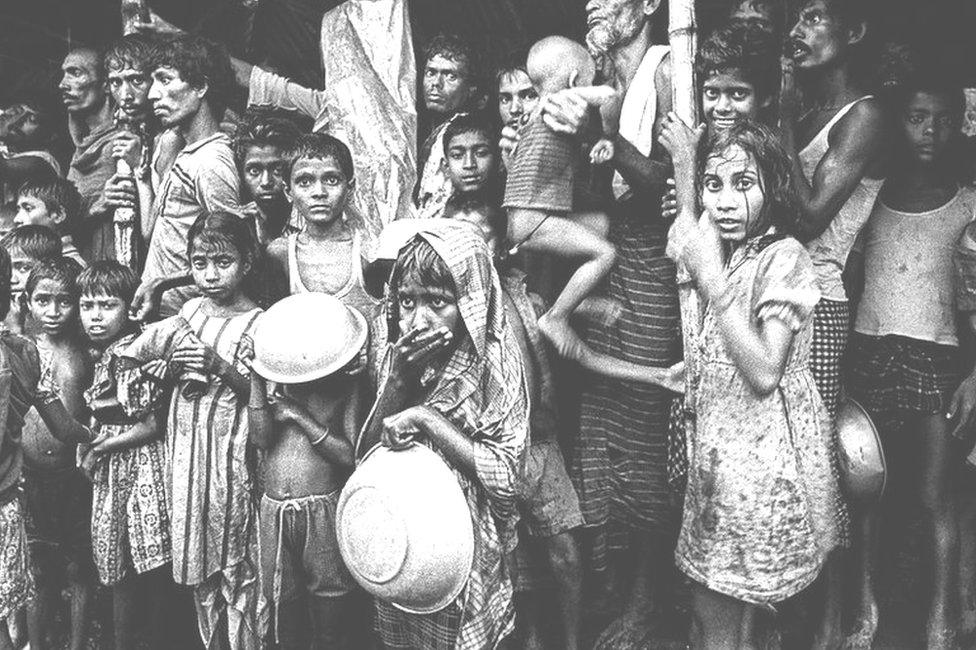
(92, 131)
(620, 464)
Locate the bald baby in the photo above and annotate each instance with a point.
(556, 62)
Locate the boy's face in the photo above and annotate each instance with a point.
(516, 96)
(52, 306)
(482, 225)
(732, 193)
(129, 87)
(218, 271)
(727, 99)
(20, 269)
(174, 100)
(319, 189)
(103, 317)
(755, 11)
(263, 174)
(32, 211)
(81, 84)
(819, 37)
(470, 162)
(427, 309)
(447, 85)
(929, 123)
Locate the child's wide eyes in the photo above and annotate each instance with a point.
(437, 302)
(744, 184)
(712, 184)
(406, 303)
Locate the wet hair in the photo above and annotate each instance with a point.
(131, 51)
(6, 270)
(780, 207)
(746, 48)
(62, 270)
(220, 229)
(263, 130)
(457, 49)
(199, 62)
(108, 278)
(60, 195)
(512, 62)
(419, 260)
(477, 202)
(471, 123)
(36, 242)
(319, 146)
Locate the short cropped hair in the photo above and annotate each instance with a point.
(745, 47)
(36, 242)
(470, 123)
(58, 194)
(457, 49)
(135, 51)
(199, 61)
(108, 278)
(261, 130)
(321, 146)
(62, 270)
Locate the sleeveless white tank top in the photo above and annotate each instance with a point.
(353, 294)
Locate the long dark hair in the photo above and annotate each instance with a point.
(780, 208)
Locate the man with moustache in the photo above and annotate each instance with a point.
(92, 131)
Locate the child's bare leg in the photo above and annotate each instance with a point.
(5, 642)
(939, 504)
(967, 558)
(564, 562)
(80, 596)
(866, 522)
(718, 620)
(565, 238)
(597, 222)
(39, 618)
(830, 633)
(330, 621)
(124, 596)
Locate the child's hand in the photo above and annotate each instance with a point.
(120, 192)
(128, 147)
(602, 152)
(101, 445)
(156, 369)
(416, 348)
(680, 140)
(193, 356)
(286, 409)
(87, 464)
(401, 430)
(245, 351)
(669, 202)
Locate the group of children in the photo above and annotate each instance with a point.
(148, 454)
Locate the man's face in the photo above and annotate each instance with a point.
(611, 23)
(81, 84)
(819, 37)
(929, 122)
(23, 128)
(174, 101)
(319, 189)
(32, 211)
(516, 96)
(727, 98)
(129, 87)
(447, 85)
(470, 162)
(263, 175)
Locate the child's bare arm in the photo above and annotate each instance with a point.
(60, 422)
(670, 378)
(142, 432)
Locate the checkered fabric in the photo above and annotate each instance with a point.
(831, 322)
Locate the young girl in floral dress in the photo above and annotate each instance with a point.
(762, 506)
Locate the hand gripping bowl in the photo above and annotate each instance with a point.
(404, 529)
(863, 471)
(305, 337)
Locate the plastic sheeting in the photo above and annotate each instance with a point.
(370, 95)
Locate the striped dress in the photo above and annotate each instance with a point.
(214, 517)
(620, 463)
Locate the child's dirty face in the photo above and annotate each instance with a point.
(727, 98)
(929, 123)
(426, 307)
(32, 211)
(263, 173)
(52, 306)
(218, 271)
(470, 161)
(103, 317)
(516, 96)
(319, 189)
(20, 269)
(732, 193)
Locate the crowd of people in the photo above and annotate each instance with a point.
(627, 335)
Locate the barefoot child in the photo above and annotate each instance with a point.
(214, 516)
(58, 494)
(539, 188)
(56, 205)
(452, 380)
(548, 504)
(306, 430)
(760, 510)
(130, 512)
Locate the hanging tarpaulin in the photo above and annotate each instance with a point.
(371, 88)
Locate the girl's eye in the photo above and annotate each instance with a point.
(332, 182)
(744, 184)
(303, 182)
(712, 185)
(406, 303)
(710, 94)
(438, 303)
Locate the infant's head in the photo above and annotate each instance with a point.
(556, 62)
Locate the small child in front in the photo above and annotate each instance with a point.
(539, 188)
(306, 430)
(130, 511)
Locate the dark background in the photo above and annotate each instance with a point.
(34, 34)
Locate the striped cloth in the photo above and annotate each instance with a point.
(543, 169)
(481, 390)
(620, 463)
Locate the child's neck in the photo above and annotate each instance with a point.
(337, 229)
(919, 187)
(234, 304)
(53, 340)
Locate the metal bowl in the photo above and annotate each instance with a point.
(404, 529)
(863, 472)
